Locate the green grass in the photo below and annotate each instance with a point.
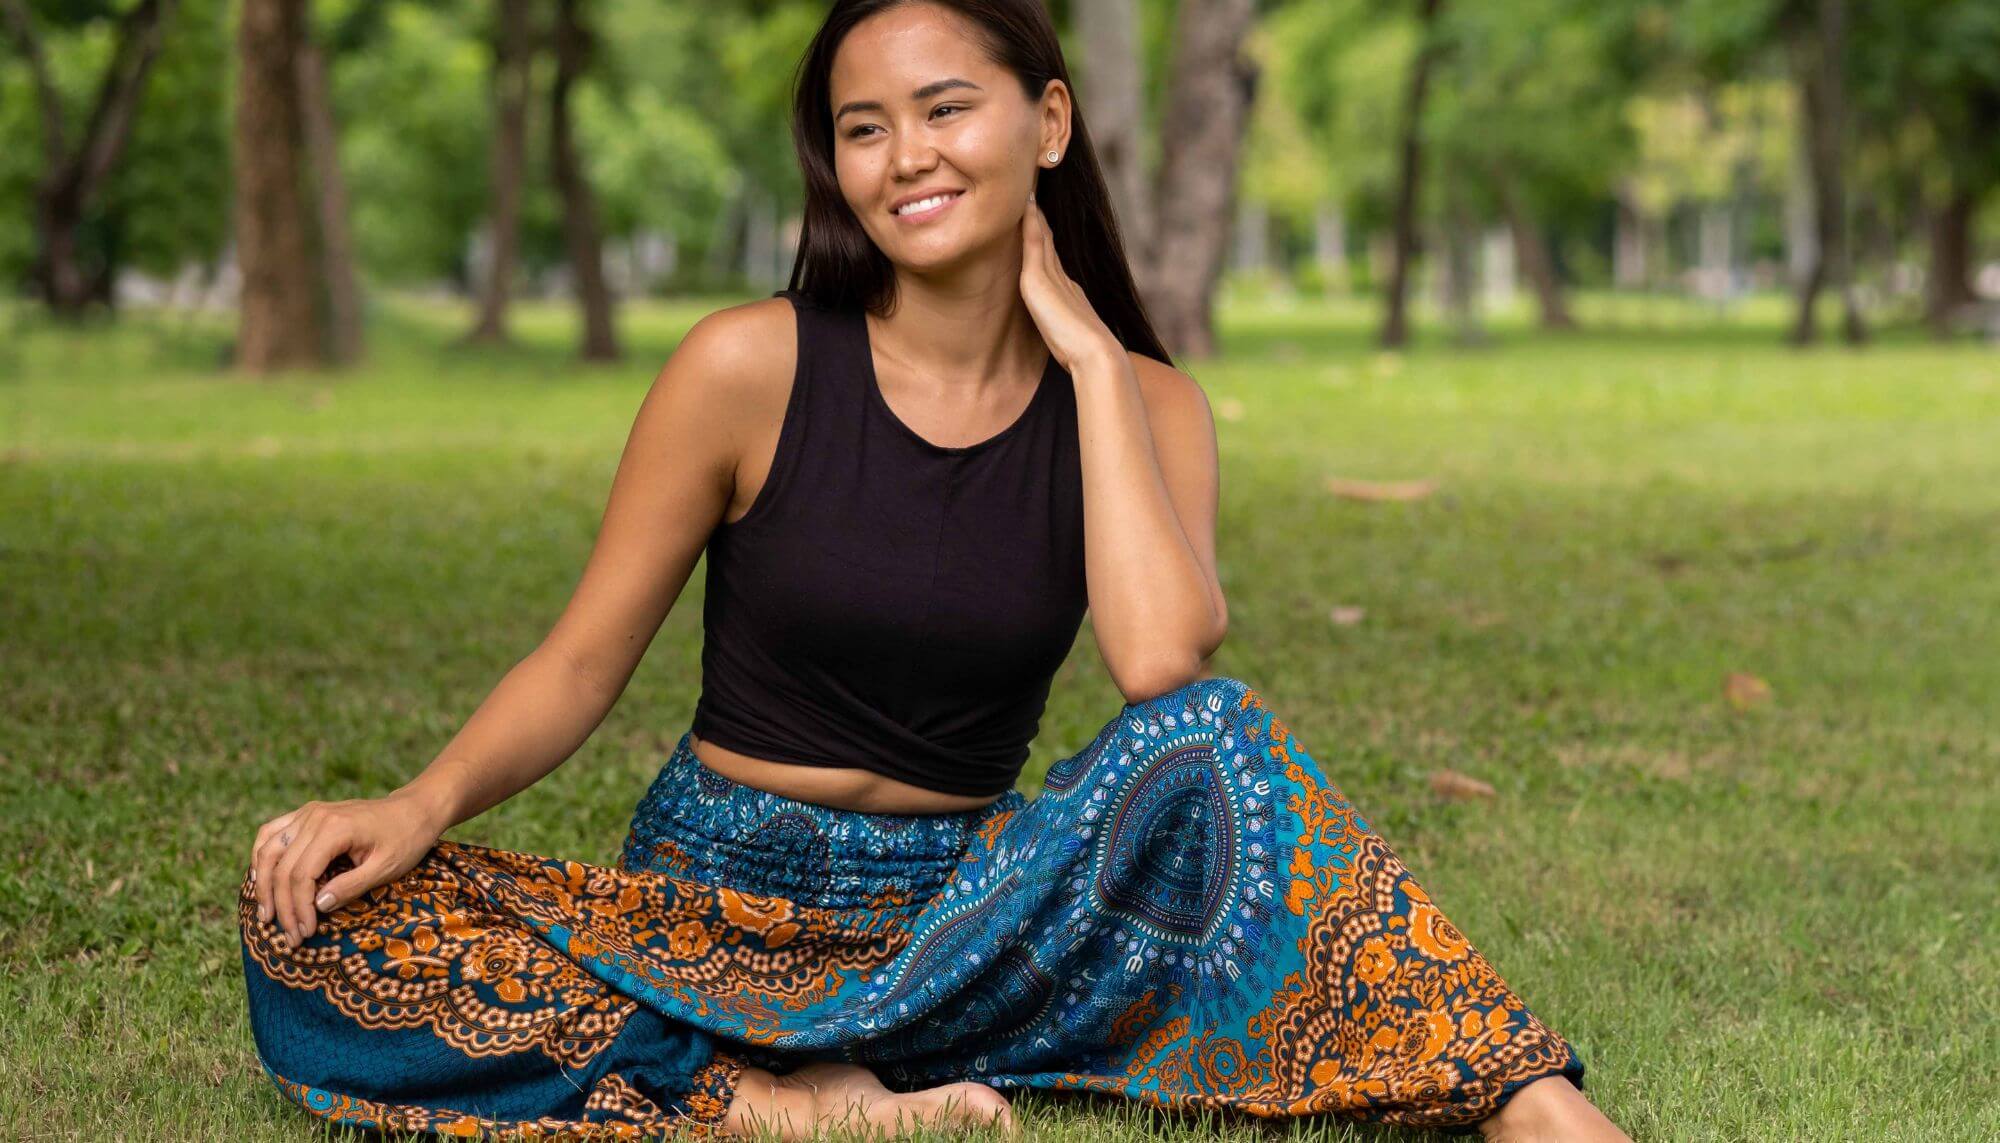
(220, 597)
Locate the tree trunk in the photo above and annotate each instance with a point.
(1531, 252)
(336, 243)
(1819, 48)
(574, 48)
(1396, 322)
(1206, 115)
(70, 180)
(1109, 33)
(513, 64)
(278, 317)
(1948, 285)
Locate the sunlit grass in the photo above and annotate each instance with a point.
(220, 596)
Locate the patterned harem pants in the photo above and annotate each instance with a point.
(1187, 914)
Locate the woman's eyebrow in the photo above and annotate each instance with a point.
(924, 92)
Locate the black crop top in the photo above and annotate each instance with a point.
(888, 603)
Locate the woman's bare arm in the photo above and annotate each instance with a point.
(672, 487)
(674, 483)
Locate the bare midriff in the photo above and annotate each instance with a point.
(841, 787)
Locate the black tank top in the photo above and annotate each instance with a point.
(888, 603)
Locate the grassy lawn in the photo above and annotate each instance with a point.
(220, 597)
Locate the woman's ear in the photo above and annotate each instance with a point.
(1055, 118)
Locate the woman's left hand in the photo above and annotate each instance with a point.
(1071, 328)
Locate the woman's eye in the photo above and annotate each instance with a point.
(856, 132)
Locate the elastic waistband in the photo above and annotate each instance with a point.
(695, 822)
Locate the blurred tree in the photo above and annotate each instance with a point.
(336, 244)
(1340, 68)
(1286, 167)
(1929, 71)
(574, 49)
(411, 95)
(513, 45)
(1110, 69)
(278, 321)
(1535, 143)
(1811, 40)
(1816, 34)
(300, 301)
(162, 207)
(666, 139)
(73, 174)
(1709, 148)
(1396, 321)
(1202, 132)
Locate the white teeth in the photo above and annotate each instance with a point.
(923, 203)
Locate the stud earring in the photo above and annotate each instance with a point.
(1052, 156)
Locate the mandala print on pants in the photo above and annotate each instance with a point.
(1187, 914)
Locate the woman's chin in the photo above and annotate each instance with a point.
(931, 257)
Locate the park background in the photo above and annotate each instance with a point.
(1609, 410)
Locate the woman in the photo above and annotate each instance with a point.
(910, 474)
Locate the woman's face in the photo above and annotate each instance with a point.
(935, 114)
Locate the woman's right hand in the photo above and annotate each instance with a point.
(384, 838)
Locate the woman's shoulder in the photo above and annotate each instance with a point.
(744, 354)
(729, 379)
(746, 340)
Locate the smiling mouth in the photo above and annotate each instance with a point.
(937, 205)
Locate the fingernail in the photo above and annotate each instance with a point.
(263, 912)
(324, 900)
(253, 875)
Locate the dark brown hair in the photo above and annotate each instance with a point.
(838, 265)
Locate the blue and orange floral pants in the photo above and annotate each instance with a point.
(1186, 914)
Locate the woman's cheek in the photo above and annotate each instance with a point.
(986, 149)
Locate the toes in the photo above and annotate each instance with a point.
(972, 1102)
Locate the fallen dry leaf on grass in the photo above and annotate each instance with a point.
(1346, 615)
(1376, 490)
(1453, 786)
(1745, 691)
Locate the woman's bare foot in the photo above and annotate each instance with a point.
(830, 1095)
(1552, 1109)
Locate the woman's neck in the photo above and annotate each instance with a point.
(975, 335)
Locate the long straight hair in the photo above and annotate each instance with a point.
(839, 266)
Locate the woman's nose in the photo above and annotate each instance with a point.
(914, 156)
